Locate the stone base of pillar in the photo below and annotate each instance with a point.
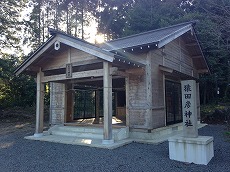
(38, 134)
(191, 150)
(107, 142)
(96, 121)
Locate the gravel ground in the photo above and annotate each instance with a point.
(19, 155)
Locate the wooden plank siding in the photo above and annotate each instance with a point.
(158, 105)
(79, 56)
(177, 57)
(54, 61)
(60, 60)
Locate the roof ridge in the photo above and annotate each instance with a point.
(55, 31)
(150, 31)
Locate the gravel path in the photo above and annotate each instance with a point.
(20, 155)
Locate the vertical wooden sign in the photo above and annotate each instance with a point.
(189, 108)
(69, 70)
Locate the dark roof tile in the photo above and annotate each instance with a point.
(150, 37)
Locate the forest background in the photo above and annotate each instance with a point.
(24, 27)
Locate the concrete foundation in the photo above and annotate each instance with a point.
(38, 134)
(107, 142)
(192, 150)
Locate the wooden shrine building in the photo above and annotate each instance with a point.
(135, 79)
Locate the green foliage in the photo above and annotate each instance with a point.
(9, 24)
(15, 90)
(210, 109)
(113, 17)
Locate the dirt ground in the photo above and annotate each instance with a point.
(18, 119)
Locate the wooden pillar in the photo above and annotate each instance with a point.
(97, 117)
(39, 105)
(69, 103)
(127, 99)
(198, 101)
(149, 88)
(107, 100)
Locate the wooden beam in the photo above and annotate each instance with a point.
(76, 75)
(39, 105)
(165, 69)
(75, 64)
(136, 71)
(86, 62)
(93, 79)
(107, 100)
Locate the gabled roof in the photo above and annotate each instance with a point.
(154, 38)
(159, 37)
(68, 40)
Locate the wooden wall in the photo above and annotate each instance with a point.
(158, 109)
(60, 59)
(78, 55)
(177, 57)
(137, 101)
(174, 55)
(56, 61)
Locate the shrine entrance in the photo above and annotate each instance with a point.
(173, 102)
(85, 104)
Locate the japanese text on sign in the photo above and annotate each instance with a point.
(187, 111)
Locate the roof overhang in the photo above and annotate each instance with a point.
(176, 73)
(70, 41)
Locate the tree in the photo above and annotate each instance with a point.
(15, 90)
(10, 25)
(112, 17)
(70, 16)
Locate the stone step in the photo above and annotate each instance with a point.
(78, 134)
(88, 132)
(159, 135)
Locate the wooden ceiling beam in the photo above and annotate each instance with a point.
(75, 75)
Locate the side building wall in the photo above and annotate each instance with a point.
(174, 55)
